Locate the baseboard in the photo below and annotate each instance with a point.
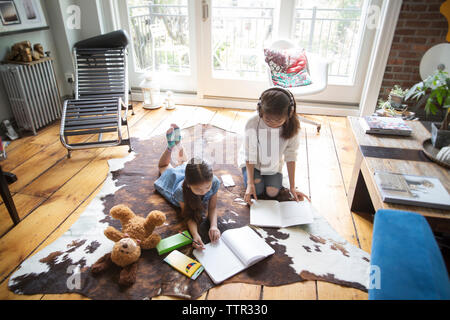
(303, 107)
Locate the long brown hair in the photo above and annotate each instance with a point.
(197, 172)
(278, 101)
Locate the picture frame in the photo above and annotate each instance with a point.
(8, 13)
(17, 16)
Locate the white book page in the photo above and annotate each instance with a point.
(265, 213)
(296, 213)
(247, 245)
(219, 261)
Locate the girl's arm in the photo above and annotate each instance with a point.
(251, 189)
(214, 233)
(291, 173)
(192, 226)
(298, 196)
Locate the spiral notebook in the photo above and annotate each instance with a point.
(274, 214)
(236, 250)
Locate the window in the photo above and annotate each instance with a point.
(160, 31)
(331, 29)
(240, 30)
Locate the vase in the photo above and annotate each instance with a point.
(439, 138)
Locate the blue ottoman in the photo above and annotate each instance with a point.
(408, 259)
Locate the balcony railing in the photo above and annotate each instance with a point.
(161, 38)
(239, 35)
(331, 33)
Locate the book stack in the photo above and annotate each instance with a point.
(385, 125)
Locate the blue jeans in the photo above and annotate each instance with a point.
(274, 181)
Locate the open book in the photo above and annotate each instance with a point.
(271, 213)
(236, 250)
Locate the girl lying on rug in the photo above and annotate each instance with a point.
(190, 186)
(269, 136)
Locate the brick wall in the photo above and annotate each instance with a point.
(420, 27)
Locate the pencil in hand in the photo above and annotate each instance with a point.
(191, 239)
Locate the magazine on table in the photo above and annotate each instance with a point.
(412, 190)
(385, 125)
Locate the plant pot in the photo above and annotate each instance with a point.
(396, 100)
(439, 138)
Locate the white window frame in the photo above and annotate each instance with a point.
(372, 80)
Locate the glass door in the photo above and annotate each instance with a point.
(337, 31)
(163, 41)
(216, 47)
(234, 34)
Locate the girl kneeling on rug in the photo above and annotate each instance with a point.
(190, 186)
(271, 138)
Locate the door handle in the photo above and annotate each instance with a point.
(205, 10)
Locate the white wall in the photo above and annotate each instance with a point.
(60, 39)
(46, 38)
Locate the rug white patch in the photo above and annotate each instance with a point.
(88, 227)
(318, 247)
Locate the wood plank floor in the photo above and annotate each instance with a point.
(56, 190)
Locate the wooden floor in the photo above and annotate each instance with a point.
(52, 192)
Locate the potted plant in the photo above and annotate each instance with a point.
(395, 106)
(435, 89)
(396, 97)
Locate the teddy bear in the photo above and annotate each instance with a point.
(137, 233)
(125, 253)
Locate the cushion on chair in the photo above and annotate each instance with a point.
(115, 39)
(409, 260)
(291, 80)
(289, 67)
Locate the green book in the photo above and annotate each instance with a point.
(173, 242)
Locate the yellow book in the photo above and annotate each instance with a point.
(187, 266)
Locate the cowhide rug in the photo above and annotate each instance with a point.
(314, 252)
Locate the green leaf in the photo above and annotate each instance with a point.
(418, 95)
(447, 101)
(440, 96)
(430, 107)
(415, 90)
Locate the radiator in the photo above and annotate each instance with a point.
(33, 93)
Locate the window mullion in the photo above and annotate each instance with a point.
(285, 19)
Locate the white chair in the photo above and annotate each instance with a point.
(318, 70)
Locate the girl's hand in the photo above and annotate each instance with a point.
(299, 196)
(199, 241)
(251, 191)
(214, 234)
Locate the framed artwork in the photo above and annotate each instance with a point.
(8, 13)
(18, 16)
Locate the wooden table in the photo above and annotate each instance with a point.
(398, 155)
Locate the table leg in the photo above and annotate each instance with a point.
(7, 199)
(358, 195)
